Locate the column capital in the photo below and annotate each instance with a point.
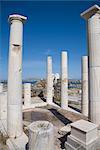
(90, 12)
(17, 17)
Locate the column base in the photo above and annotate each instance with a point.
(3, 127)
(73, 144)
(18, 143)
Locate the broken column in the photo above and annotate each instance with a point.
(92, 16)
(41, 136)
(27, 94)
(85, 100)
(64, 81)
(14, 103)
(49, 80)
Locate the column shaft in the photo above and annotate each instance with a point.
(94, 67)
(49, 80)
(85, 100)
(27, 94)
(64, 81)
(14, 104)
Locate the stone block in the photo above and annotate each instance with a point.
(84, 131)
(83, 136)
(73, 144)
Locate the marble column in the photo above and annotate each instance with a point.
(27, 94)
(41, 136)
(64, 80)
(49, 80)
(85, 100)
(1, 87)
(14, 104)
(92, 16)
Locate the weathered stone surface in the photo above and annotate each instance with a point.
(64, 81)
(83, 136)
(73, 144)
(18, 143)
(84, 131)
(27, 94)
(17, 139)
(49, 80)
(14, 118)
(85, 99)
(66, 129)
(41, 136)
(92, 15)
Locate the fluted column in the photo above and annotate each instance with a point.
(14, 104)
(85, 100)
(49, 80)
(92, 16)
(64, 80)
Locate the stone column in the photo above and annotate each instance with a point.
(49, 80)
(92, 16)
(85, 100)
(14, 104)
(27, 94)
(41, 136)
(1, 87)
(64, 81)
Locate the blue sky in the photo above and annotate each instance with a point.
(51, 27)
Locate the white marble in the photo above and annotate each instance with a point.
(49, 80)
(85, 99)
(27, 94)
(14, 104)
(17, 143)
(17, 138)
(92, 17)
(66, 129)
(41, 136)
(83, 135)
(73, 144)
(84, 131)
(64, 80)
